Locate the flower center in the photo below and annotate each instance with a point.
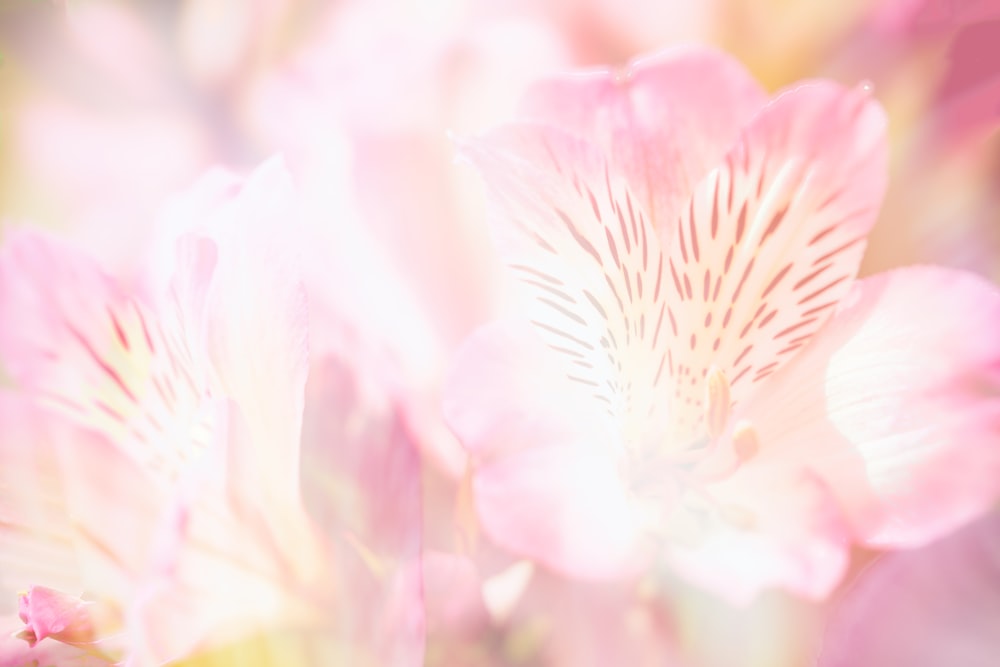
(669, 483)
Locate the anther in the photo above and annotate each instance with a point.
(746, 444)
(717, 401)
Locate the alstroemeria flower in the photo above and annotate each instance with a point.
(696, 375)
(153, 457)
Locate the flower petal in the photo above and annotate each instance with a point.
(590, 266)
(218, 570)
(36, 536)
(78, 341)
(546, 478)
(896, 405)
(774, 527)
(257, 324)
(771, 240)
(362, 486)
(663, 122)
(939, 605)
(64, 488)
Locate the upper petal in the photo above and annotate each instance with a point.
(590, 266)
(76, 339)
(771, 240)
(896, 405)
(663, 122)
(76, 512)
(362, 486)
(257, 321)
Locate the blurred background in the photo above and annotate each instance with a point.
(109, 108)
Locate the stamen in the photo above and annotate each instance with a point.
(746, 444)
(717, 402)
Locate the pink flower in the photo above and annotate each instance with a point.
(154, 454)
(696, 376)
(49, 613)
(353, 142)
(16, 652)
(938, 605)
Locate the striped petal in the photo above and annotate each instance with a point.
(36, 535)
(83, 345)
(770, 242)
(590, 265)
(78, 514)
(664, 121)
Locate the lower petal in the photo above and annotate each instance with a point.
(546, 478)
(774, 527)
(564, 506)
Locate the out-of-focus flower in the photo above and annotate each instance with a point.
(16, 652)
(423, 253)
(696, 375)
(91, 97)
(153, 459)
(939, 605)
(952, 45)
(933, 64)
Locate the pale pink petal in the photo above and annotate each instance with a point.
(356, 436)
(895, 405)
(544, 456)
(590, 266)
(452, 589)
(36, 536)
(257, 321)
(764, 528)
(118, 508)
(361, 485)
(771, 241)
(664, 121)
(968, 99)
(218, 571)
(64, 521)
(939, 605)
(83, 345)
(231, 576)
